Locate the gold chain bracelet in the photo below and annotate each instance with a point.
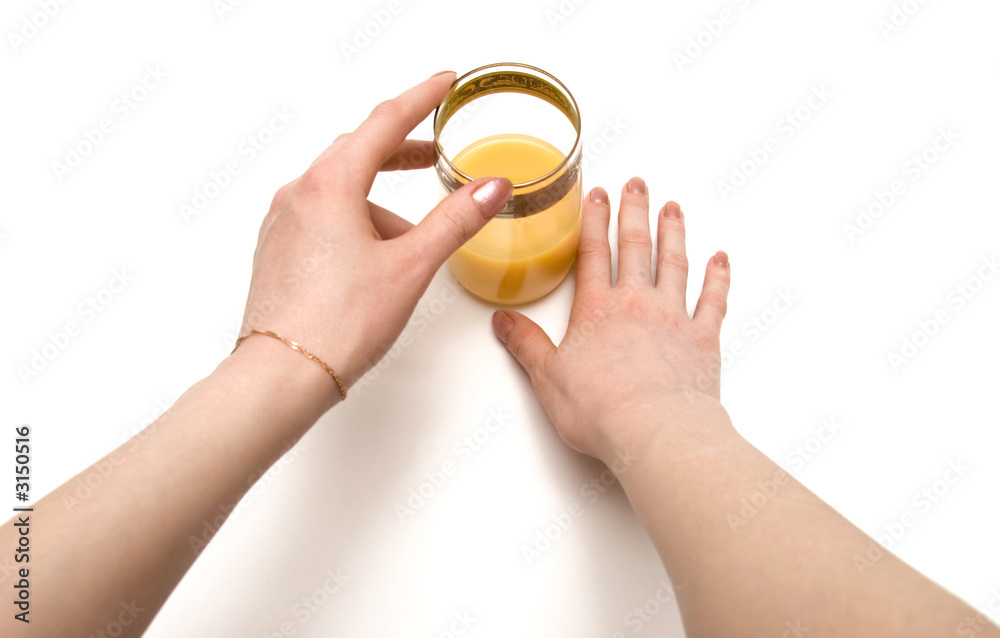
(294, 346)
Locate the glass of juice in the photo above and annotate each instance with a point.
(514, 121)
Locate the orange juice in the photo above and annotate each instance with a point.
(515, 260)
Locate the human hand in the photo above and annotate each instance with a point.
(341, 275)
(632, 361)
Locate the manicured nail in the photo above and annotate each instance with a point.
(721, 259)
(637, 185)
(599, 196)
(442, 73)
(672, 209)
(502, 323)
(492, 195)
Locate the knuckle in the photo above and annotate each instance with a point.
(590, 301)
(281, 198)
(336, 146)
(410, 261)
(705, 340)
(318, 180)
(312, 182)
(715, 301)
(390, 109)
(637, 304)
(590, 248)
(340, 141)
(674, 261)
(634, 237)
(515, 343)
(673, 320)
(675, 225)
(453, 226)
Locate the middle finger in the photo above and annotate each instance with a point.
(635, 247)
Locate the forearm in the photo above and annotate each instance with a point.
(753, 552)
(128, 539)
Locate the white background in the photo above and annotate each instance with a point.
(331, 504)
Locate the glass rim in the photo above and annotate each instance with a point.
(574, 119)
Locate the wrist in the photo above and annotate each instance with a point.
(666, 432)
(281, 375)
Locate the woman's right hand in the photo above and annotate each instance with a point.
(633, 362)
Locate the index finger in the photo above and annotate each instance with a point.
(378, 137)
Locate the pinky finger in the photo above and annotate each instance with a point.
(711, 308)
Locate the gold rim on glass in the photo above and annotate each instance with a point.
(510, 77)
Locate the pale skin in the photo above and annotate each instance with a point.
(637, 377)
(324, 248)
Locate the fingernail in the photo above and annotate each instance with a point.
(492, 195)
(721, 259)
(442, 73)
(599, 195)
(502, 323)
(672, 209)
(637, 185)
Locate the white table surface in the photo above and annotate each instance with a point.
(458, 561)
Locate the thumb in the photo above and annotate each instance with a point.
(524, 339)
(457, 218)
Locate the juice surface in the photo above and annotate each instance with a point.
(518, 260)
